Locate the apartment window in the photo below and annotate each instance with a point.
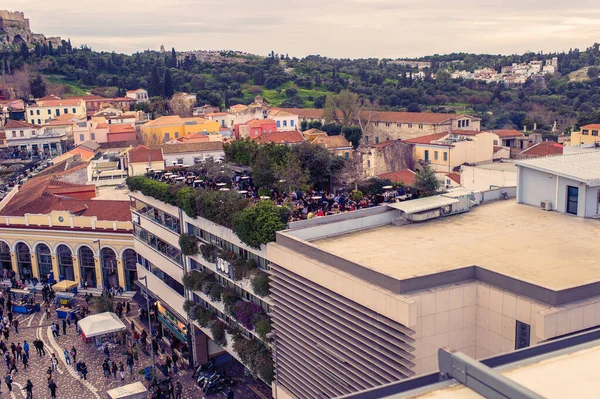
(292, 123)
(376, 124)
(387, 124)
(446, 157)
(467, 123)
(421, 126)
(196, 160)
(176, 134)
(426, 155)
(398, 124)
(21, 133)
(92, 136)
(435, 155)
(1, 141)
(495, 142)
(66, 111)
(33, 121)
(49, 112)
(163, 218)
(81, 137)
(158, 244)
(284, 123)
(278, 123)
(39, 121)
(74, 111)
(154, 136)
(585, 132)
(368, 163)
(179, 161)
(33, 132)
(376, 140)
(366, 139)
(167, 136)
(522, 335)
(31, 112)
(14, 134)
(410, 125)
(57, 112)
(594, 132)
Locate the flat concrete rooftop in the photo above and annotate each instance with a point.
(548, 249)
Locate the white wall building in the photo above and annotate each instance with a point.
(570, 183)
(191, 153)
(487, 176)
(139, 95)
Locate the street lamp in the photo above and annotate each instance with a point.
(145, 278)
(100, 262)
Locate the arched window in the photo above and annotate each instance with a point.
(44, 258)
(87, 266)
(110, 275)
(5, 260)
(130, 263)
(24, 260)
(65, 262)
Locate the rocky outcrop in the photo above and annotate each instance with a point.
(15, 29)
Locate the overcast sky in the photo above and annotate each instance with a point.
(335, 28)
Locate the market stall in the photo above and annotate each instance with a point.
(137, 390)
(24, 301)
(65, 302)
(66, 286)
(101, 326)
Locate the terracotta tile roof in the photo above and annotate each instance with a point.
(404, 176)
(85, 153)
(454, 177)
(165, 120)
(58, 103)
(102, 125)
(592, 126)
(496, 149)
(332, 142)
(543, 149)
(238, 107)
(466, 132)
(12, 124)
(192, 147)
(216, 113)
(89, 98)
(289, 137)
(49, 97)
(121, 128)
(142, 154)
(426, 139)
(280, 112)
(313, 131)
(382, 144)
(305, 112)
(260, 122)
(507, 133)
(194, 137)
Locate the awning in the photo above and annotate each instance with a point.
(100, 324)
(174, 330)
(141, 300)
(65, 285)
(423, 204)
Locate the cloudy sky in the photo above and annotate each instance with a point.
(335, 28)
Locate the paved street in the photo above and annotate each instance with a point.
(36, 326)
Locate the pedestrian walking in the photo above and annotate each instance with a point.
(57, 329)
(84, 370)
(64, 326)
(130, 363)
(52, 386)
(16, 325)
(114, 369)
(29, 389)
(67, 357)
(49, 373)
(230, 394)
(19, 351)
(54, 330)
(8, 381)
(10, 317)
(127, 309)
(13, 365)
(122, 370)
(106, 368)
(178, 389)
(25, 360)
(106, 352)
(74, 354)
(53, 362)
(13, 349)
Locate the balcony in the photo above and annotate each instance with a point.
(165, 293)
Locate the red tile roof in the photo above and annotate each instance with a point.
(332, 142)
(592, 126)
(260, 122)
(404, 176)
(142, 154)
(507, 133)
(454, 176)
(290, 137)
(496, 149)
(543, 149)
(466, 132)
(57, 103)
(12, 124)
(427, 139)
(382, 144)
(121, 128)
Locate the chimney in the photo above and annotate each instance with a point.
(534, 126)
(524, 129)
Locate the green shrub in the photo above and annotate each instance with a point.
(229, 299)
(257, 224)
(217, 329)
(203, 316)
(186, 199)
(194, 280)
(159, 190)
(240, 269)
(209, 252)
(357, 196)
(219, 206)
(207, 286)
(188, 306)
(265, 369)
(188, 244)
(260, 284)
(262, 325)
(215, 292)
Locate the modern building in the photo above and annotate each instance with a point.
(367, 298)
(45, 110)
(139, 95)
(564, 183)
(488, 176)
(157, 228)
(50, 224)
(552, 370)
(191, 153)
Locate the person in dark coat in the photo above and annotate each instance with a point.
(52, 386)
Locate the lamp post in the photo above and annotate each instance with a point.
(145, 278)
(100, 262)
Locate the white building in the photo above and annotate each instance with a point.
(45, 110)
(139, 95)
(563, 183)
(36, 139)
(488, 176)
(191, 153)
(286, 121)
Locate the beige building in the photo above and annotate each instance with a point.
(370, 299)
(45, 110)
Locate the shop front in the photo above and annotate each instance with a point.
(173, 332)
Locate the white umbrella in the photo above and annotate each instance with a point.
(101, 324)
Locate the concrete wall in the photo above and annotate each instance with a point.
(480, 179)
(188, 158)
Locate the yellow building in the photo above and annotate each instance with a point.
(588, 134)
(443, 152)
(167, 128)
(51, 225)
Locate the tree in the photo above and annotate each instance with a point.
(180, 106)
(101, 304)
(427, 183)
(593, 72)
(154, 89)
(352, 173)
(167, 85)
(413, 107)
(342, 108)
(173, 58)
(290, 176)
(24, 51)
(257, 224)
(37, 87)
(353, 134)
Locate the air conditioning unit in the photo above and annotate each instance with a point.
(546, 205)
